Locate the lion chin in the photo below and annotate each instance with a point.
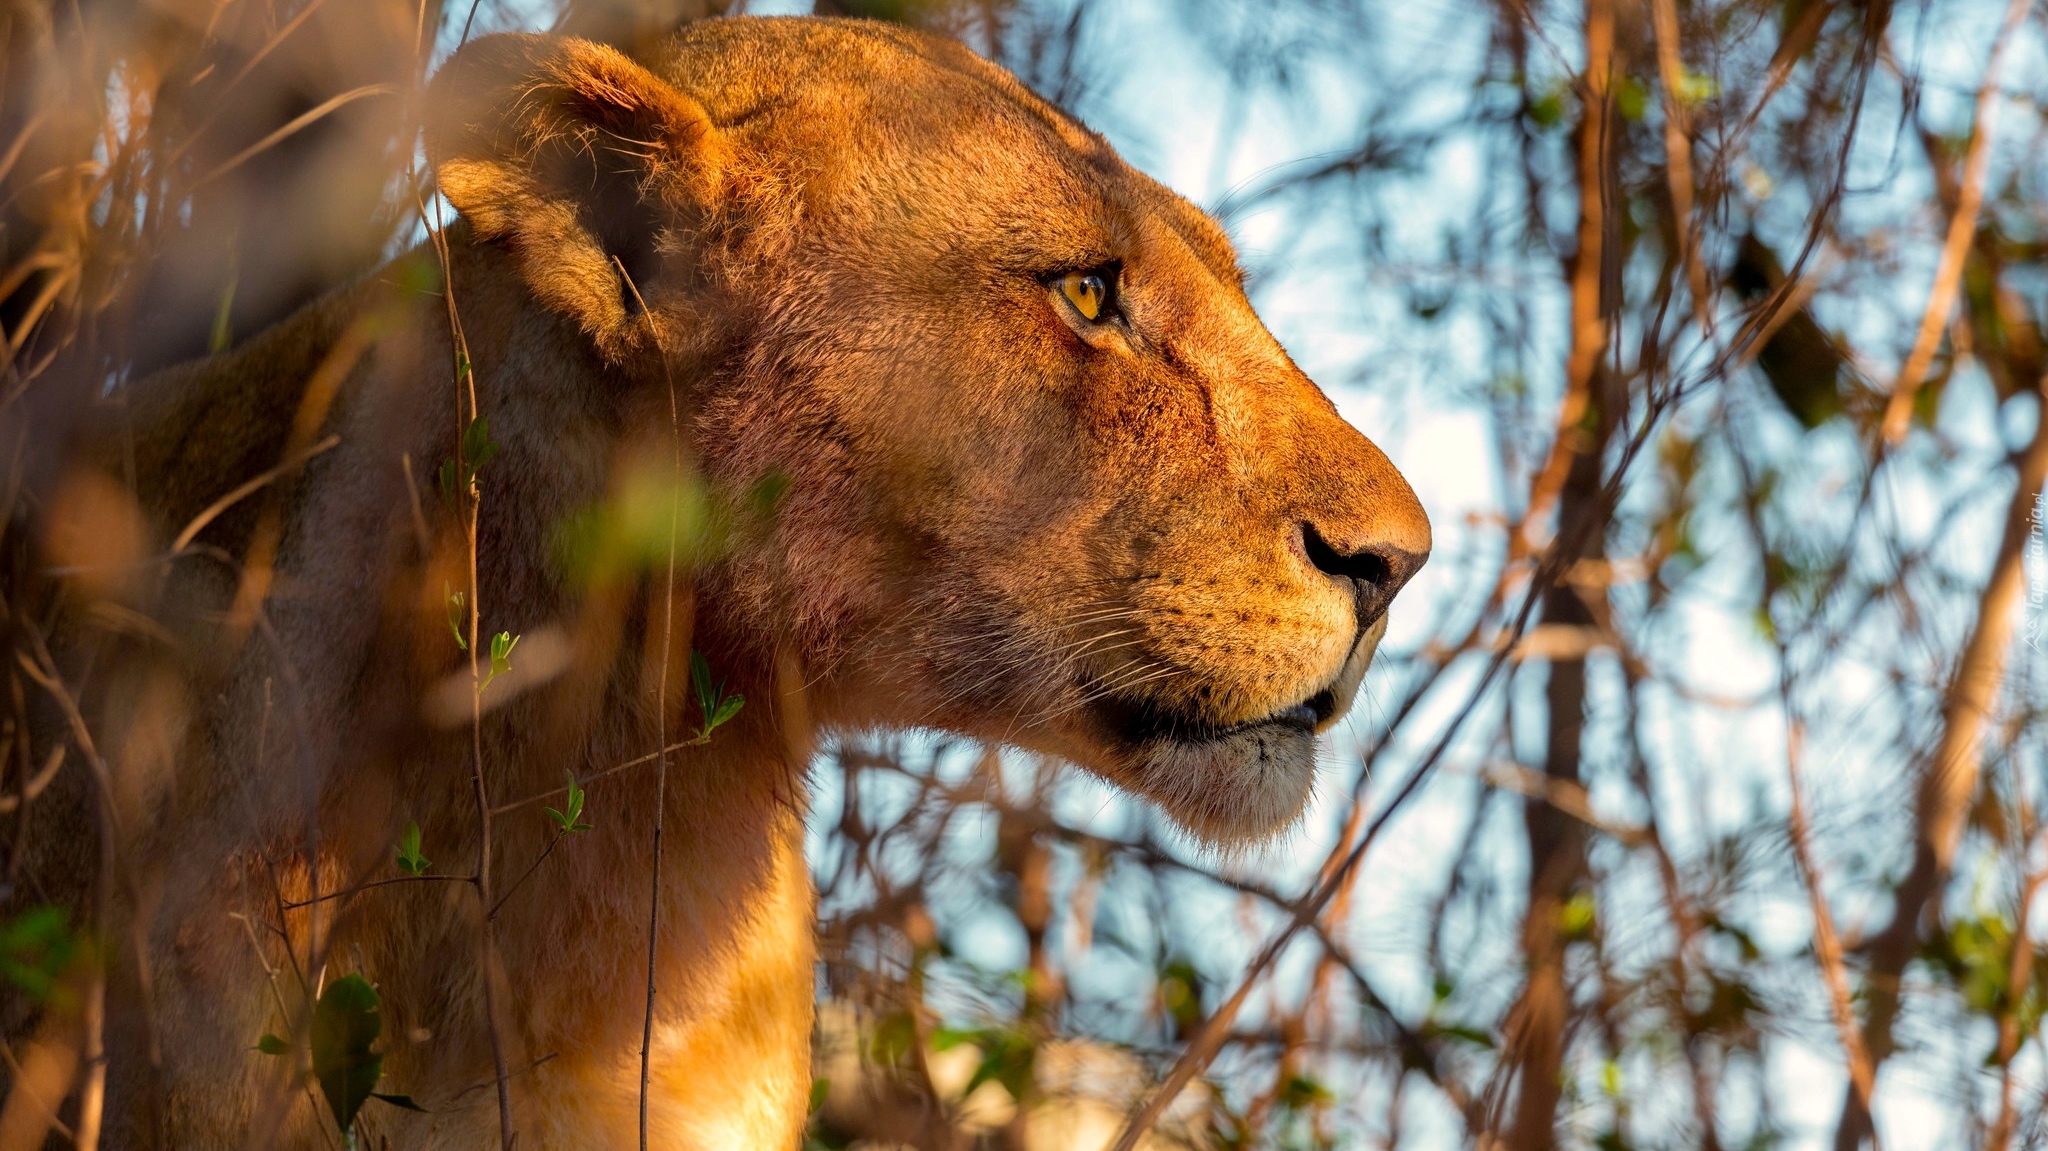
(1235, 786)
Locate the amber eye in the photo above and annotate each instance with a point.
(1087, 291)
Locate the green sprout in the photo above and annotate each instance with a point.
(570, 818)
(716, 706)
(456, 600)
(410, 860)
(501, 655)
(473, 451)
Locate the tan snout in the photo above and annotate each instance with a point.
(1368, 533)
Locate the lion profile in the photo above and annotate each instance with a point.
(1038, 476)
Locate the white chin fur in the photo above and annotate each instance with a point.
(1238, 789)
(1252, 786)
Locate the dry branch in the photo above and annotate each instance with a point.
(1962, 229)
(1949, 782)
(1827, 945)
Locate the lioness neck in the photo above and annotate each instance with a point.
(374, 572)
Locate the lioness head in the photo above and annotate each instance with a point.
(1051, 481)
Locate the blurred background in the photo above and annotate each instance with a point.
(1695, 799)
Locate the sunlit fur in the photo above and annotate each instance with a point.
(998, 519)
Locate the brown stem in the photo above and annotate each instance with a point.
(528, 873)
(1586, 272)
(642, 761)
(668, 624)
(1962, 228)
(1557, 843)
(1678, 155)
(1950, 779)
(344, 893)
(465, 391)
(1827, 947)
(2019, 978)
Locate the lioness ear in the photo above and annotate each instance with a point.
(576, 159)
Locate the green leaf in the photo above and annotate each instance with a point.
(712, 703)
(477, 447)
(726, 709)
(1010, 1056)
(1631, 98)
(700, 678)
(893, 1038)
(1180, 993)
(1469, 1034)
(449, 473)
(1302, 1093)
(456, 600)
(272, 1045)
(1575, 918)
(1694, 88)
(419, 276)
(819, 1089)
(346, 1021)
(570, 819)
(35, 949)
(501, 655)
(410, 860)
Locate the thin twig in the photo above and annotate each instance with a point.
(295, 125)
(2019, 977)
(1678, 158)
(1949, 780)
(528, 873)
(1962, 228)
(35, 785)
(286, 466)
(42, 1105)
(344, 893)
(1827, 946)
(543, 796)
(465, 390)
(660, 703)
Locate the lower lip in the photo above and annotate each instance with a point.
(1301, 716)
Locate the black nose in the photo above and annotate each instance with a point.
(1374, 571)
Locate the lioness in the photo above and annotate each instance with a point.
(1039, 476)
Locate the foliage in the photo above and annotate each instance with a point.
(37, 948)
(570, 818)
(714, 705)
(410, 861)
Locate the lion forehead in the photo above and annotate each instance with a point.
(741, 67)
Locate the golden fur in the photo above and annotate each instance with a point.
(1148, 545)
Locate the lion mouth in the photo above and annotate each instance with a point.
(1143, 722)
